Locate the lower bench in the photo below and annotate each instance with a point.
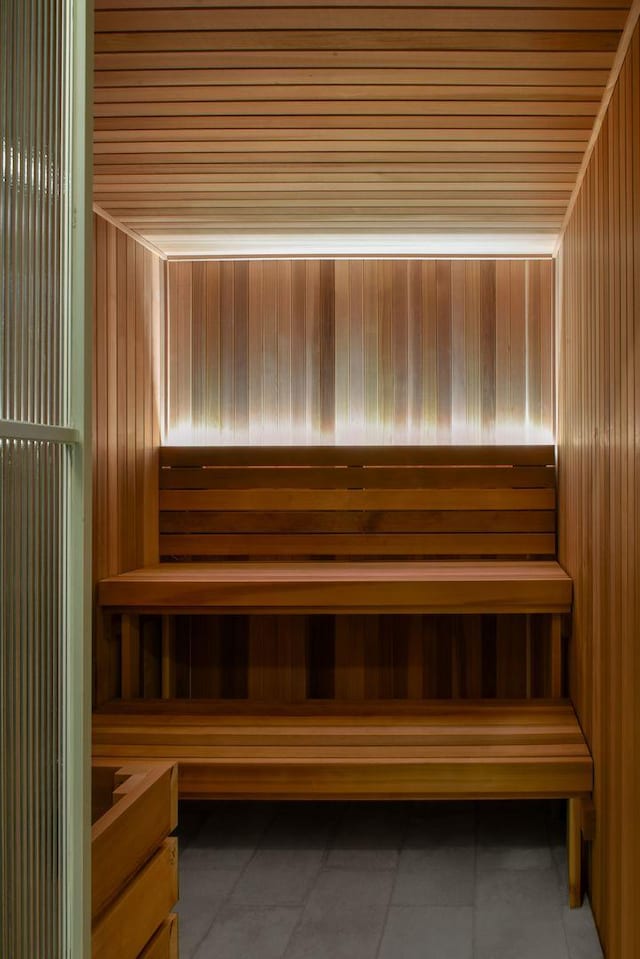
(378, 750)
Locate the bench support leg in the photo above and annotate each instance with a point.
(168, 657)
(555, 657)
(574, 851)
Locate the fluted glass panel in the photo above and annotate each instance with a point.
(33, 480)
(36, 330)
(34, 103)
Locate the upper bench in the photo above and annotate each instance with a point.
(352, 529)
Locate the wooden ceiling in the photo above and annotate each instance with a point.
(249, 118)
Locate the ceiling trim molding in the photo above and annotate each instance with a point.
(214, 258)
(143, 241)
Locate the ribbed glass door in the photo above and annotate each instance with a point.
(43, 546)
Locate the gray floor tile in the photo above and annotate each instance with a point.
(416, 932)
(502, 936)
(288, 859)
(278, 877)
(228, 838)
(434, 824)
(369, 836)
(559, 857)
(582, 937)
(436, 877)
(202, 893)
(291, 893)
(249, 933)
(513, 835)
(508, 894)
(519, 855)
(302, 825)
(344, 916)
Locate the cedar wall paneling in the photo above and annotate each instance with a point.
(599, 507)
(293, 658)
(129, 310)
(360, 350)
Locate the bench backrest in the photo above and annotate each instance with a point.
(360, 502)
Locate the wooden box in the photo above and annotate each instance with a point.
(134, 877)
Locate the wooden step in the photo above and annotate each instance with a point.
(484, 749)
(402, 587)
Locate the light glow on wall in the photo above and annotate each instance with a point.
(357, 352)
(202, 245)
(373, 434)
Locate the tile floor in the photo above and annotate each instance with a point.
(377, 881)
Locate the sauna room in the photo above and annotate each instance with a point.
(349, 642)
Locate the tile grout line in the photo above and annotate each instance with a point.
(226, 900)
(476, 820)
(393, 887)
(331, 833)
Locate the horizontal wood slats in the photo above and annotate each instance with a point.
(294, 530)
(314, 456)
(197, 89)
(367, 544)
(309, 500)
(356, 477)
(599, 489)
(353, 351)
(124, 929)
(143, 814)
(376, 750)
(541, 521)
(419, 587)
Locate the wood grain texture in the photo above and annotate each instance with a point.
(306, 587)
(466, 750)
(599, 482)
(214, 117)
(123, 930)
(128, 834)
(129, 313)
(397, 656)
(397, 531)
(360, 351)
(292, 658)
(164, 944)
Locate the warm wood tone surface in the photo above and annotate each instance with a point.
(477, 508)
(457, 117)
(347, 657)
(134, 866)
(373, 502)
(143, 812)
(366, 351)
(164, 944)
(125, 928)
(376, 751)
(599, 474)
(129, 306)
(474, 587)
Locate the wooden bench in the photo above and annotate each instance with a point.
(403, 530)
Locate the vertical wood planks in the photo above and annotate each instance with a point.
(599, 490)
(366, 350)
(129, 316)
